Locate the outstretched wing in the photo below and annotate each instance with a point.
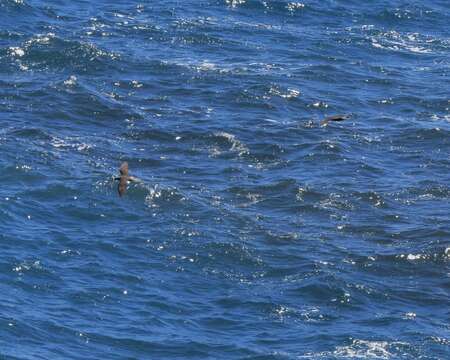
(134, 179)
(124, 169)
(334, 118)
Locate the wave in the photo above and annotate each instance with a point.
(46, 52)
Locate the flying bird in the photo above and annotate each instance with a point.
(124, 178)
(325, 121)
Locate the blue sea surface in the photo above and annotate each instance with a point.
(255, 232)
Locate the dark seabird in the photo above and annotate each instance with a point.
(325, 121)
(124, 178)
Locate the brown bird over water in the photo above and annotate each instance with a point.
(325, 121)
(124, 178)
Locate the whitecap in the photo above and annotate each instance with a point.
(394, 41)
(288, 94)
(72, 80)
(236, 145)
(366, 349)
(234, 3)
(16, 51)
(69, 143)
(293, 6)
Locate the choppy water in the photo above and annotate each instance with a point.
(256, 233)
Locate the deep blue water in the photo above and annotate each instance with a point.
(256, 233)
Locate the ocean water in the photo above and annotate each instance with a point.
(255, 233)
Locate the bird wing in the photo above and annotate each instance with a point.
(124, 169)
(134, 179)
(336, 118)
(325, 121)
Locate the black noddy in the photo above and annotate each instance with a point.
(325, 121)
(124, 178)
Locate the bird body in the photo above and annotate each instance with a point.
(123, 179)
